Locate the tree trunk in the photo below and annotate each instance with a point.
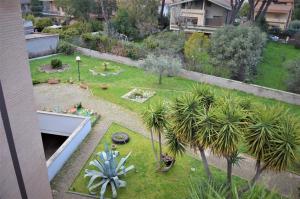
(229, 176)
(160, 78)
(162, 11)
(153, 147)
(263, 13)
(160, 148)
(260, 9)
(250, 15)
(258, 173)
(205, 163)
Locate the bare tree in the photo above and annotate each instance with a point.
(235, 8)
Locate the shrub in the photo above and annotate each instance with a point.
(293, 79)
(134, 51)
(151, 43)
(294, 27)
(65, 48)
(96, 25)
(239, 49)
(297, 40)
(122, 23)
(52, 31)
(56, 63)
(43, 23)
(170, 42)
(30, 17)
(196, 49)
(69, 33)
(99, 42)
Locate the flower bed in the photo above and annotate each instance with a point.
(47, 68)
(138, 95)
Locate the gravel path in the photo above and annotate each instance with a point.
(63, 95)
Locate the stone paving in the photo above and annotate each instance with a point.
(64, 95)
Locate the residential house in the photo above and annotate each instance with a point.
(199, 15)
(279, 13)
(51, 9)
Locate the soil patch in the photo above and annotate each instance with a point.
(48, 68)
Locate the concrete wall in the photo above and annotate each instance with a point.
(58, 124)
(40, 46)
(248, 88)
(77, 129)
(18, 93)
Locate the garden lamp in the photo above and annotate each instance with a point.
(78, 70)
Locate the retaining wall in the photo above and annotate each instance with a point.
(261, 91)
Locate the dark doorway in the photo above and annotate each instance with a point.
(51, 143)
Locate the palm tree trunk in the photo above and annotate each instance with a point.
(258, 172)
(204, 160)
(160, 149)
(229, 176)
(153, 147)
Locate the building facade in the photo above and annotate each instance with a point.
(23, 172)
(199, 15)
(279, 13)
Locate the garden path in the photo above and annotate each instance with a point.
(64, 96)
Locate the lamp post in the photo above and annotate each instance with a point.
(78, 70)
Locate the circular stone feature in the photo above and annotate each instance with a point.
(120, 138)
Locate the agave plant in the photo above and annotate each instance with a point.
(107, 171)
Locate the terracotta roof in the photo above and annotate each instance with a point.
(276, 8)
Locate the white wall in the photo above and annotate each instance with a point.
(41, 46)
(58, 124)
(76, 127)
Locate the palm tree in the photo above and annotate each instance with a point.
(231, 120)
(205, 94)
(185, 111)
(155, 118)
(284, 144)
(264, 123)
(175, 145)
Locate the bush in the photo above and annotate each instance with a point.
(56, 63)
(297, 40)
(151, 43)
(30, 17)
(99, 42)
(43, 23)
(65, 48)
(52, 31)
(293, 80)
(294, 27)
(170, 42)
(134, 51)
(123, 24)
(239, 49)
(96, 25)
(196, 49)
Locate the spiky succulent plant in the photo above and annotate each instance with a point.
(107, 171)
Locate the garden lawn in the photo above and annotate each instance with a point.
(145, 182)
(132, 77)
(272, 71)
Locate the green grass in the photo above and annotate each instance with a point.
(272, 71)
(146, 182)
(132, 77)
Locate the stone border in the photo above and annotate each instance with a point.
(260, 91)
(139, 100)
